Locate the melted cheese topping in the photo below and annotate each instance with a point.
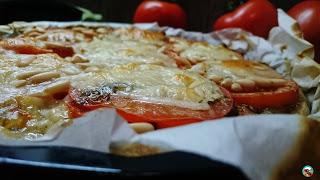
(58, 35)
(237, 69)
(201, 51)
(30, 117)
(12, 71)
(112, 51)
(145, 36)
(156, 84)
(133, 58)
(29, 109)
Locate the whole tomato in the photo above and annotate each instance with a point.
(164, 13)
(307, 13)
(256, 16)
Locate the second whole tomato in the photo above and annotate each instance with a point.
(164, 13)
(307, 14)
(255, 16)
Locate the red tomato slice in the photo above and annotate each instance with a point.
(168, 116)
(75, 106)
(62, 51)
(20, 46)
(83, 102)
(282, 96)
(73, 110)
(141, 111)
(131, 118)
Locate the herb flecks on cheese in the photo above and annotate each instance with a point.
(156, 84)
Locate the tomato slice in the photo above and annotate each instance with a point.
(279, 97)
(132, 118)
(142, 111)
(65, 51)
(73, 110)
(20, 46)
(163, 116)
(77, 108)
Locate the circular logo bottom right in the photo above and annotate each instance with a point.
(307, 171)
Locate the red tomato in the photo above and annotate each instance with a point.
(282, 96)
(131, 118)
(168, 116)
(165, 13)
(62, 51)
(77, 110)
(256, 16)
(73, 110)
(141, 111)
(82, 103)
(22, 47)
(307, 13)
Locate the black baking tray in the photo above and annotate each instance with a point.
(65, 161)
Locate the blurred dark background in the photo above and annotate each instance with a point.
(201, 13)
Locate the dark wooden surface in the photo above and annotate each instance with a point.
(201, 13)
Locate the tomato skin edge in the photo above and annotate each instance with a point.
(273, 99)
(172, 122)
